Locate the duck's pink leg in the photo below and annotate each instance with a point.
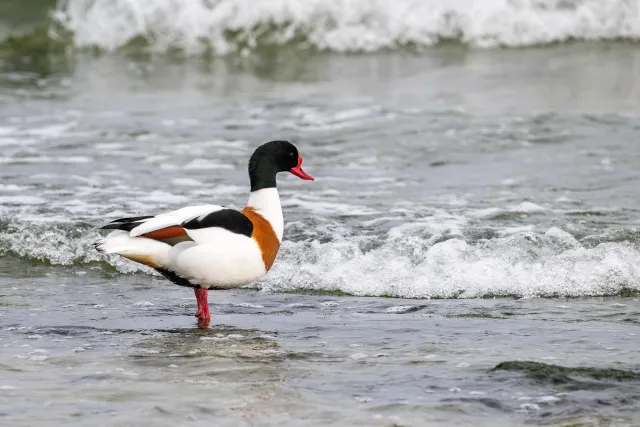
(199, 299)
(202, 296)
(204, 303)
(204, 317)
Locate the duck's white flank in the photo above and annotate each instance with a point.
(229, 260)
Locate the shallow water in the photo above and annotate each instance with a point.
(492, 193)
(125, 350)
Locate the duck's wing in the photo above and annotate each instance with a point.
(166, 227)
(213, 225)
(149, 239)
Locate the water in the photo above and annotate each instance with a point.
(471, 207)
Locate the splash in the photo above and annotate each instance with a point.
(525, 264)
(58, 244)
(228, 26)
(413, 260)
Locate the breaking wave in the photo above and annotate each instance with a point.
(343, 26)
(231, 26)
(526, 264)
(58, 244)
(410, 261)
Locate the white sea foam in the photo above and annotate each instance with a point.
(203, 164)
(527, 207)
(412, 260)
(526, 264)
(249, 305)
(57, 245)
(313, 119)
(360, 25)
(187, 182)
(400, 309)
(51, 131)
(46, 159)
(164, 197)
(21, 200)
(12, 187)
(327, 208)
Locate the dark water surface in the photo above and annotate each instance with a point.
(126, 350)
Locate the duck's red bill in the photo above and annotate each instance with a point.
(297, 171)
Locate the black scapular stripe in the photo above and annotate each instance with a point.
(229, 219)
(125, 224)
(173, 277)
(181, 281)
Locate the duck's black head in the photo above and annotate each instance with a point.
(271, 158)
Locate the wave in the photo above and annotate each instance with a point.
(415, 260)
(58, 244)
(243, 26)
(550, 264)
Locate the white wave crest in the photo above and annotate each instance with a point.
(225, 26)
(58, 245)
(524, 265)
(416, 260)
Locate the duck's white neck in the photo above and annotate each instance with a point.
(267, 202)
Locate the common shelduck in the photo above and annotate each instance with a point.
(210, 246)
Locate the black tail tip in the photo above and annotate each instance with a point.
(110, 226)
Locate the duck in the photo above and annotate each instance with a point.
(212, 247)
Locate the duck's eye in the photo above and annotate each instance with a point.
(292, 154)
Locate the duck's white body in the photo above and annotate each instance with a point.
(206, 257)
(210, 246)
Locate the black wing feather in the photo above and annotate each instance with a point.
(126, 224)
(229, 219)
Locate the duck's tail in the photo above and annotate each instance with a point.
(152, 253)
